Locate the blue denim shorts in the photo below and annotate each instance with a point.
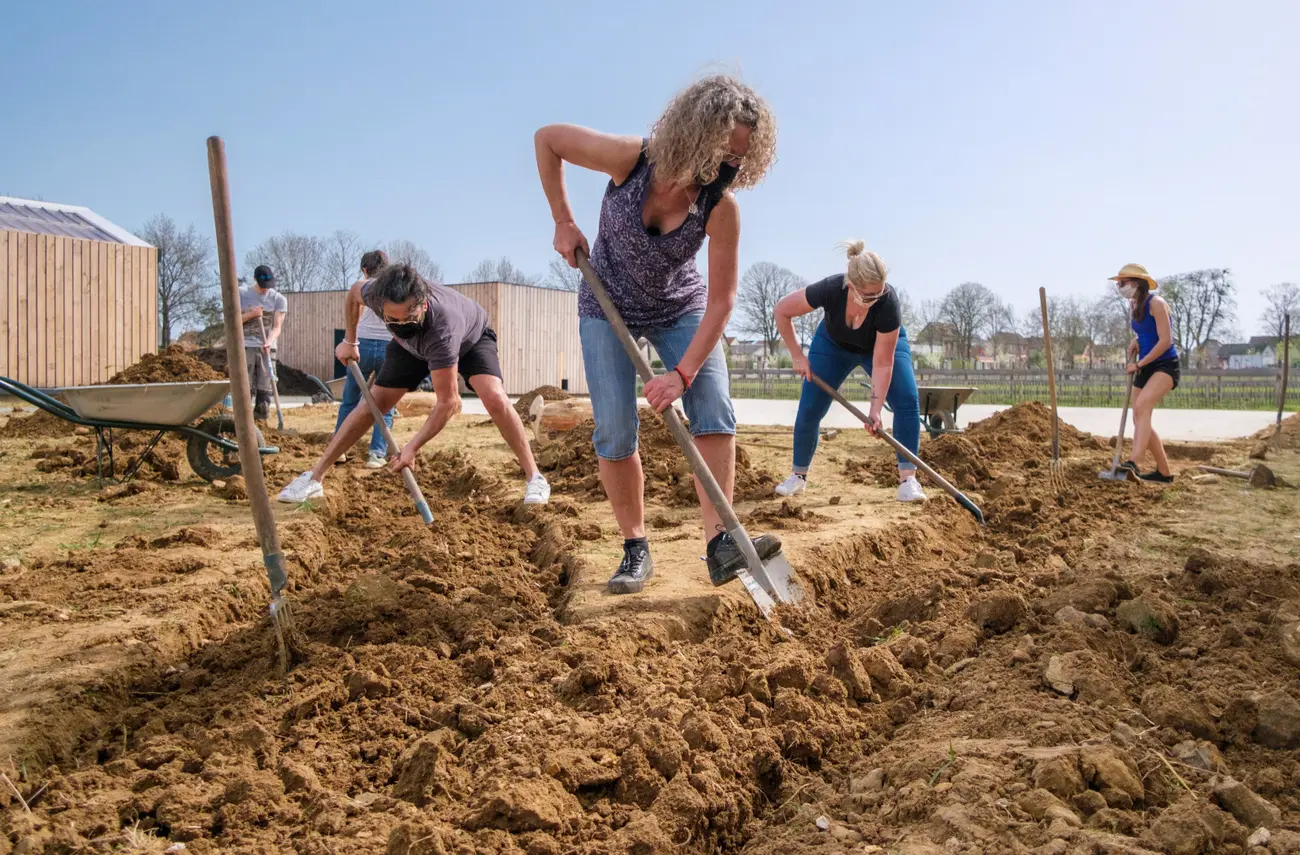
(611, 381)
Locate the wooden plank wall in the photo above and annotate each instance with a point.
(537, 332)
(74, 312)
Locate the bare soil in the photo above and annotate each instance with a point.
(1107, 669)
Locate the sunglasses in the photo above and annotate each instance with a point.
(863, 297)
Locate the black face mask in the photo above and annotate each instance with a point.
(408, 329)
(726, 174)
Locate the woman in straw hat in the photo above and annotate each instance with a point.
(1153, 360)
(665, 196)
(862, 325)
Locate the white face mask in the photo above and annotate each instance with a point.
(1128, 292)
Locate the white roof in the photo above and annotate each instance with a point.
(48, 218)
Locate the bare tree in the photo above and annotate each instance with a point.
(1106, 320)
(298, 261)
(970, 309)
(805, 326)
(930, 315)
(410, 252)
(342, 262)
(502, 270)
(185, 280)
(561, 276)
(763, 284)
(1282, 299)
(1201, 303)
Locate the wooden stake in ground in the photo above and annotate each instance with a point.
(1056, 475)
(1286, 372)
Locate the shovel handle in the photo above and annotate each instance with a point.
(250, 460)
(408, 477)
(1051, 374)
(948, 488)
(675, 425)
(270, 373)
(1123, 421)
(1230, 473)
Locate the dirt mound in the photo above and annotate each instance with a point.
(572, 466)
(170, 365)
(1289, 437)
(291, 380)
(546, 393)
(787, 516)
(38, 425)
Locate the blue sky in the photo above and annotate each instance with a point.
(1014, 144)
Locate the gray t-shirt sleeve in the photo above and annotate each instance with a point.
(281, 302)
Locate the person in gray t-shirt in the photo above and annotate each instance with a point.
(255, 303)
(437, 333)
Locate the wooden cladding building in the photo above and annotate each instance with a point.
(537, 334)
(80, 295)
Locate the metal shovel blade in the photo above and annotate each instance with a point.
(1113, 474)
(768, 582)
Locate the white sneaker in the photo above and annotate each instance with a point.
(792, 486)
(375, 461)
(301, 489)
(910, 491)
(537, 491)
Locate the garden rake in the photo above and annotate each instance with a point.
(1056, 469)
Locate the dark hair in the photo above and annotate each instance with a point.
(1140, 299)
(398, 283)
(374, 261)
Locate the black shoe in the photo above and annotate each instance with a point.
(633, 571)
(725, 558)
(1131, 468)
(1157, 478)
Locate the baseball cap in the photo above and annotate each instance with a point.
(263, 274)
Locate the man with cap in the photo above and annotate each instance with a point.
(256, 302)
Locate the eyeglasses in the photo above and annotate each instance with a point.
(864, 298)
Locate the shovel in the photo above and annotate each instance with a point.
(1115, 474)
(290, 643)
(768, 582)
(961, 498)
(408, 477)
(275, 387)
(1055, 469)
(1259, 476)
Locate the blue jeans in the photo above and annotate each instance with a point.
(611, 380)
(833, 364)
(372, 356)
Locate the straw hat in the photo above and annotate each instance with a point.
(1136, 271)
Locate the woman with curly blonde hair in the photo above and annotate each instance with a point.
(665, 196)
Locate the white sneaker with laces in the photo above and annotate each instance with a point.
(374, 461)
(537, 491)
(301, 489)
(910, 491)
(792, 486)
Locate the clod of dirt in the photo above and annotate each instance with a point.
(885, 671)
(170, 365)
(39, 425)
(547, 393)
(1059, 776)
(999, 612)
(1259, 451)
(298, 777)
(1199, 755)
(1278, 721)
(429, 768)
(911, 652)
(1170, 707)
(1190, 827)
(844, 661)
(1112, 772)
(576, 769)
(1091, 596)
(1250, 809)
(1149, 616)
(537, 804)
(1059, 677)
(786, 516)
(233, 489)
(411, 838)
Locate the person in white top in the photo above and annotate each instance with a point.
(372, 340)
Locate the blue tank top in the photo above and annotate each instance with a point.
(1149, 336)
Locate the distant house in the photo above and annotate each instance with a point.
(750, 354)
(1259, 352)
(1009, 349)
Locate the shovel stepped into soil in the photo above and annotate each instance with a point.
(768, 582)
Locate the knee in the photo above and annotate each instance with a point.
(617, 441)
(496, 402)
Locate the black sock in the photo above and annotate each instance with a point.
(631, 543)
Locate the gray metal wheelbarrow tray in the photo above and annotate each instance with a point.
(160, 408)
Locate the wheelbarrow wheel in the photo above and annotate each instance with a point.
(210, 461)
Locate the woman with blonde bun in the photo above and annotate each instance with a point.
(863, 325)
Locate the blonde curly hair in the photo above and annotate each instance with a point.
(865, 268)
(692, 138)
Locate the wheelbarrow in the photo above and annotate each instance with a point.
(158, 407)
(939, 405)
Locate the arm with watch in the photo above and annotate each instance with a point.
(348, 350)
(723, 230)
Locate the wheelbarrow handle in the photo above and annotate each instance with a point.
(948, 488)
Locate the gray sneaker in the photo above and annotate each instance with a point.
(636, 567)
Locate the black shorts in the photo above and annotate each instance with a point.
(1164, 366)
(404, 370)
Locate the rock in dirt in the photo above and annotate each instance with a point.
(1278, 721)
(1151, 617)
(1170, 707)
(1059, 776)
(1059, 675)
(1199, 755)
(1112, 772)
(1289, 641)
(998, 613)
(536, 804)
(1259, 451)
(1250, 809)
